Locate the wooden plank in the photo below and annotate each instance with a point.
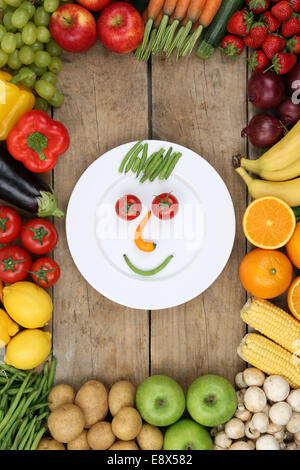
(202, 105)
(106, 105)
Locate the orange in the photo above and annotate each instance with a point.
(293, 247)
(294, 298)
(266, 273)
(269, 223)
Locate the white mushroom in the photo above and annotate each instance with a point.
(242, 414)
(240, 445)
(293, 425)
(255, 399)
(218, 448)
(240, 394)
(239, 381)
(253, 377)
(276, 388)
(250, 432)
(235, 428)
(267, 442)
(222, 440)
(266, 409)
(294, 399)
(251, 444)
(260, 422)
(273, 428)
(297, 438)
(280, 413)
(280, 435)
(216, 429)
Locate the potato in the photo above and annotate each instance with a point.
(150, 438)
(66, 422)
(92, 399)
(79, 443)
(121, 394)
(124, 445)
(50, 444)
(127, 424)
(100, 436)
(60, 395)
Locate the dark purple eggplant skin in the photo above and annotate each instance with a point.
(18, 186)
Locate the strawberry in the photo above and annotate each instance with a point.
(291, 26)
(240, 22)
(232, 45)
(272, 44)
(258, 33)
(282, 10)
(258, 61)
(295, 4)
(293, 45)
(283, 62)
(272, 23)
(258, 6)
(250, 42)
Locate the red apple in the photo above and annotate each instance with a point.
(120, 27)
(94, 5)
(73, 28)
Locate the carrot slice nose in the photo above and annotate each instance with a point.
(138, 237)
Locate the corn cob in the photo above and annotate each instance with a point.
(271, 358)
(274, 323)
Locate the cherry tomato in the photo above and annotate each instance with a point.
(165, 206)
(39, 236)
(15, 263)
(128, 207)
(10, 224)
(45, 272)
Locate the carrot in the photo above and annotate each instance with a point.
(193, 14)
(158, 19)
(140, 243)
(179, 14)
(154, 8)
(209, 12)
(168, 10)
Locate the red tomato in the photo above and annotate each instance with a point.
(45, 272)
(39, 236)
(10, 224)
(165, 206)
(15, 263)
(128, 207)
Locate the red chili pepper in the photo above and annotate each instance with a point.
(37, 141)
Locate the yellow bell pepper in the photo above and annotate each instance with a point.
(15, 100)
(8, 328)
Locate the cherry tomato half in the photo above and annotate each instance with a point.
(165, 206)
(128, 207)
(39, 236)
(10, 224)
(15, 263)
(45, 272)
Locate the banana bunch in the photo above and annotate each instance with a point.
(278, 168)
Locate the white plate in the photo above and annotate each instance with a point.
(200, 237)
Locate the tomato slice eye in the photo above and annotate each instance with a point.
(128, 207)
(165, 206)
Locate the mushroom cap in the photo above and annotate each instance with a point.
(240, 445)
(293, 425)
(255, 399)
(253, 377)
(276, 388)
(280, 413)
(267, 442)
(235, 428)
(260, 422)
(294, 399)
(239, 381)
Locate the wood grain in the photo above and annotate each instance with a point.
(201, 104)
(106, 105)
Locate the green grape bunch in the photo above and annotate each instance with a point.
(26, 47)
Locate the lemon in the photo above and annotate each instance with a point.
(28, 349)
(28, 304)
(8, 328)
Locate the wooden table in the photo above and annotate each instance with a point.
(110, 100)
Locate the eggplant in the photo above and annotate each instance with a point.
(23, 189)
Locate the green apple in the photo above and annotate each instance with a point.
(187, 435)
(211, 400)
(160, 400)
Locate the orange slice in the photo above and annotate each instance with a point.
(269, 223)
(294, 298)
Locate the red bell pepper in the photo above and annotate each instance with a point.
(37, 141)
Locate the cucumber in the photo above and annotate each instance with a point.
(216, 31)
